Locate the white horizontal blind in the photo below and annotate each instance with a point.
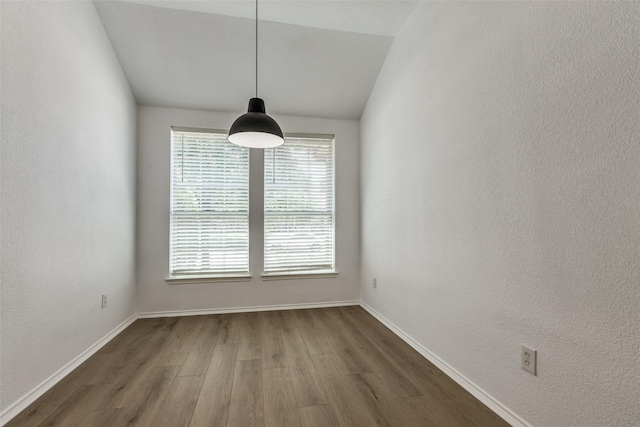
(209, 204)
(299, 207)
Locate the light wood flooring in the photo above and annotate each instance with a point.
(316, 367)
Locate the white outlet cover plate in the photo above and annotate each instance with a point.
(528, 359)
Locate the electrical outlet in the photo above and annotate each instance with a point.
(375, 283)
(529, 359)
(104, 300)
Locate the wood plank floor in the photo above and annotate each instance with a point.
(307, 368)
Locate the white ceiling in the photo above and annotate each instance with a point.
(316, 58)
(381, 17)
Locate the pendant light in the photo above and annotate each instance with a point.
(255, 129)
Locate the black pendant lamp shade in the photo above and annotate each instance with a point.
(255, 129)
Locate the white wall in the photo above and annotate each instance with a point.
(68, 189)
(500, 181)
(154, 294)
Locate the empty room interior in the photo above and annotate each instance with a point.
(320, 213)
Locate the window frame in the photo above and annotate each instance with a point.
(310, 273)
(204, 277)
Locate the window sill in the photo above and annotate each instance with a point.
(300, 275)
(212, 278)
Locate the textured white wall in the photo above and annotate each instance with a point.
(68, 189)
(154, 145)
(500, 185)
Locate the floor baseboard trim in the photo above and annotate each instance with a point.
(179, 313)
(21, 404)
(507, 414)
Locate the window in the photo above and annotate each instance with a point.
(298, 206)
(209, 204)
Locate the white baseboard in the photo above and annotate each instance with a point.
(507, 414)
(179, 313)
(21, 404)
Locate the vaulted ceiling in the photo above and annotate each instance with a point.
(316, 58)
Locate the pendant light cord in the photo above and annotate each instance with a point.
(256, 48)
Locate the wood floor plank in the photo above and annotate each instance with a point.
(316, 333)
(397, 384)
(341, 393)
(104, 418)
(288, 319)
(182, 338)
(65, 409)
(351, 352)
(228, 329)
(86, 399)
(305, 379)
(247, 407)
(319, 318)
(378, 402)
(148, 342)
(144, 400)
(280, 409)
(318, 416)
(135, 373)
(198, 359)
(107, 369)
(212, 407)
(132, 333)
(422, 411)
(271, 328)
(175, 358)
(180, 402)
(250, 341)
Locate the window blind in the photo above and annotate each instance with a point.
(299, 206)
(209, 204)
